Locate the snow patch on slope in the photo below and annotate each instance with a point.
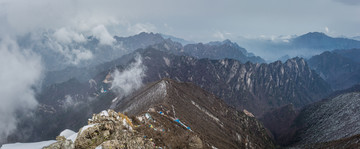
(86, 127)
(159, 91)
(34, 145)
(167, 61)
(206, 112)
(67, 133)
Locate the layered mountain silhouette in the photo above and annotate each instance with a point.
(104, 55)
(306, 45)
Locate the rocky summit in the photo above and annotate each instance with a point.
(106, 130)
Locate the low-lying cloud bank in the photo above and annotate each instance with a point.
(21, 71)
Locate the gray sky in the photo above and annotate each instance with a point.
(199, 20)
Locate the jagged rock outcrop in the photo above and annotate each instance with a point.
(107, 129)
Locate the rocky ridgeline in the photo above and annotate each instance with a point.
(109, 130)
(257, 88)
(106, 130)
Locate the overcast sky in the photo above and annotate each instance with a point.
(198, 20)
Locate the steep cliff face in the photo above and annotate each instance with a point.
(198, 111)
(255, 87)
(329, 120)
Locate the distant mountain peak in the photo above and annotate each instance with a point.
(314, 35)
(226, 41)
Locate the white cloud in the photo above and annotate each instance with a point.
(80, 55)
(219, 35)
(272, 38)
(63, 35)
(326, 29)
(72, 56)
(20, 72)
(130, 79)
(103, 35)
(141, 27)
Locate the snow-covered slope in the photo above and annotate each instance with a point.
(35, 145)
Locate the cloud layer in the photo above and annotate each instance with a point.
(199, 22)
(130, 79)
(20, 73)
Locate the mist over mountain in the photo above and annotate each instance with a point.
(61, 52)
(212, 50)
(306, 45)
(176, 39)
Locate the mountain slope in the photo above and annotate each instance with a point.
(349, 142)
(339, 71)
(279, 122)
(216, 123)
(352, 54)
(329, 120)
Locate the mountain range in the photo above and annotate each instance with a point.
(59, 70)
(216, 95)
(306, 45)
